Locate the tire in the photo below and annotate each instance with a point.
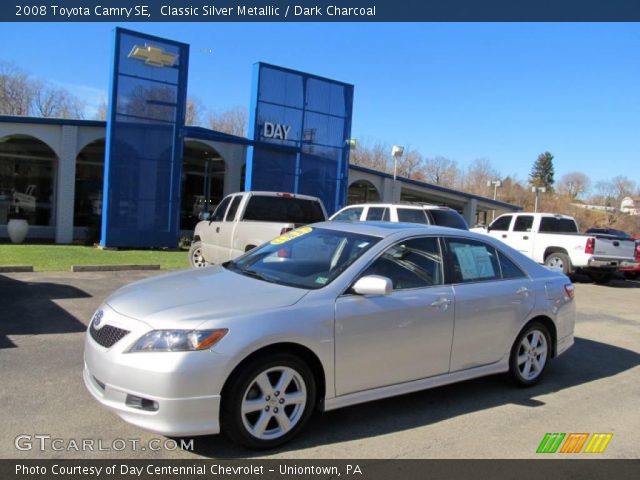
(257, 412)
(196, 259)
(631, 275)
(560, 261)
(601, 278)
(530, 355)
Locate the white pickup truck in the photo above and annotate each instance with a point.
(245, 220)
(554, 240)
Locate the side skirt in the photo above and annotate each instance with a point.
(414, 386)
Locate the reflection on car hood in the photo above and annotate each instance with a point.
(186, 299)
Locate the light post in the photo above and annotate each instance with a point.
(396, 153)
(537, 191)
(496, 184)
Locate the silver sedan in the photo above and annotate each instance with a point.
(322, 317)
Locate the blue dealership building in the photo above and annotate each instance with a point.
(142, 178)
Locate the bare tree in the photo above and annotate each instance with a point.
(194, 112)
(103, 110)
(441, 171)
(478, 173)
(233, 121)
(574, 184)
(375, 156)
(50, 101)
(16, 91)
(623, 187)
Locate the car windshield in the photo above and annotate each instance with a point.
(306, 257)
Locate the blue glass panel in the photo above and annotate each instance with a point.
(315, 113)
(141, 204)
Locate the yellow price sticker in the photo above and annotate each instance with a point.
(290, 235)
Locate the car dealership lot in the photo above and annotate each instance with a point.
(593, 388)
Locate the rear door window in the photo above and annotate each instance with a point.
(378, 213)
(472, 261)
(523, 223)
(231, 214)
(412, 215)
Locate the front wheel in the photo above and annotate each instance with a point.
(268, 402)
(530, 354)
(196, 259)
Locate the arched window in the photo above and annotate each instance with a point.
(362, 191)
(87, 209)
(27, 179)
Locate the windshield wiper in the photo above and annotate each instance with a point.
(258, 275)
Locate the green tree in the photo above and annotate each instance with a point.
(542, 172)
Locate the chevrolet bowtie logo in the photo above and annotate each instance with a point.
(153, 56)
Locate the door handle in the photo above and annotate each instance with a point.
(441, 302)
(526, 237)
(504, 235)
(217, 229)
(523, 291)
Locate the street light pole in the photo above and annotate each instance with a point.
(496, 184)
(396, 153)
(537, 191)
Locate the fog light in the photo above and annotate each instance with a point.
(141, 403)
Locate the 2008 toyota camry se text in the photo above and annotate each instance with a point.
(322, 317)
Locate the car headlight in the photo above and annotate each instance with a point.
(178, 340)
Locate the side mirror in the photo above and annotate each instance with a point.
(373, 285)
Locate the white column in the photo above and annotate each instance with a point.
(65, 184)
(469, 211)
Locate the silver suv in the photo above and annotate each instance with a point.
(402, 212)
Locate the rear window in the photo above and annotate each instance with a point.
(448, 218)
(349, 214)
(283, 209)
(412, 215)
(557, 225)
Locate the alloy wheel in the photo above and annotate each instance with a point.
(274, 403)
(532, 354)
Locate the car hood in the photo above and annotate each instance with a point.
(186, 299)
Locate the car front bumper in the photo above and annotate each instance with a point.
(170, 393)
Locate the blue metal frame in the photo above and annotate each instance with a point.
(341, 175)
(168, 236)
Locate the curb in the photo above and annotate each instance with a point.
(16, 268)
(112, 268)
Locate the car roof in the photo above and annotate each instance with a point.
(403, 205)
(386, 229)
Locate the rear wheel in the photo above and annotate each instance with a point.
(631, 275)
(559, 261)
(196, 259)
(530, 354)
(268, 402)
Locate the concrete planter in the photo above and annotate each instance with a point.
(17, 229)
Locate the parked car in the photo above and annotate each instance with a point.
(402, 212)
(323, 317)
(632, 273)
(554, 240)
(244, 220)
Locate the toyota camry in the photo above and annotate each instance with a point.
(254, 346)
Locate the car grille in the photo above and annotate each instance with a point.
(107, 336)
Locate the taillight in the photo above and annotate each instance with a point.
(638, 252)
(590, 246)
(570, 290)
(285, 195)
